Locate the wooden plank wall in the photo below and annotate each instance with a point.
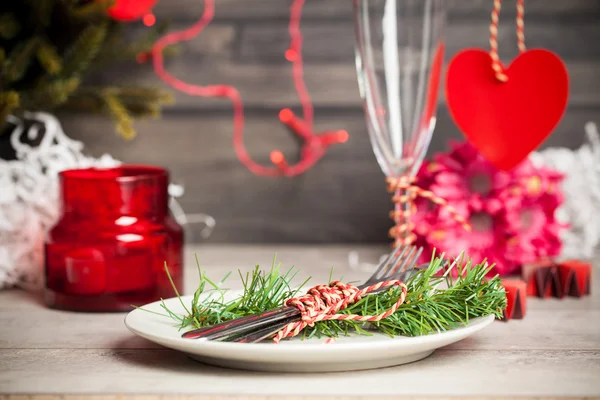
(343, 198)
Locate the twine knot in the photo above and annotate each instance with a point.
(323, 302)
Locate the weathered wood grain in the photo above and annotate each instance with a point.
(459, 372)
(328, 9)
(234, 397)
(554, 351)
(245, 397)
(548, 322)
(217, 40)
(342, 198)
(332, 85)
(334, 41)
(542, 329)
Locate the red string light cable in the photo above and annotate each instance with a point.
(315, 145)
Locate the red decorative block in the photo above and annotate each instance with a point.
(548, 279)
(516, 297)
(542, 279)
(575, 278)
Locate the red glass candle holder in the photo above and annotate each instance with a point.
(109, 247)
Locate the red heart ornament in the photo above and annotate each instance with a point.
(506, 121)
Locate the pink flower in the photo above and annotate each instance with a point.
(511, 213)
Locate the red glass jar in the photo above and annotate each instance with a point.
(109, 247)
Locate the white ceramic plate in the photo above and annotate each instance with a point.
(294, 355)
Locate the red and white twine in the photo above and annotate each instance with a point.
(323, 302)
(496, 63)
(403, 230)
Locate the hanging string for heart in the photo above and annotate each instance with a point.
(496, 63)
(407, 193)
(323, 302)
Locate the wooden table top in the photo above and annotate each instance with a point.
(553, 351)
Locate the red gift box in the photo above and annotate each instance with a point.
(516, 299)
(575, 278)
(548, 279)
(542, 279)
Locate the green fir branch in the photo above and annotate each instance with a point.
(70, 3)
(50, 95)
(134, 95)
(48, 57)
(92, 9)
(82, 53)
(42, 11)
(119, 113)
(41, 68)
(115, 49)
(434, 302)
(9, 101)
(19, 59)
(145, 42)
(9, 26)
(138, 101)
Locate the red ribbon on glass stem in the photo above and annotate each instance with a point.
(314, 145)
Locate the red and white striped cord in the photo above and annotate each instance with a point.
(402, 232)
(496, 63)
(323, 302)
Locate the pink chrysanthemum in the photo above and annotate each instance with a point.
(511, 213)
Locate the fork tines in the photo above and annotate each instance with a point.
(401, 259)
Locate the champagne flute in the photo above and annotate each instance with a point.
(399, 56)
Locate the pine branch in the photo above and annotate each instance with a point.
(139, 101)
(84, 50)
(71, 3)
(427, 307)
(9, 101)
(93, 9)
(120, 115)
(95, 105)
(50, 95)
(42, 11)
(48, 57)
(132, 95)
(19, 59)
(9, 26)
(115, 49)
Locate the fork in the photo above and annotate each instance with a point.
(395, 266)
(261, 334)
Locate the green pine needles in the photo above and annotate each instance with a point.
(435, 301)
(49, 48)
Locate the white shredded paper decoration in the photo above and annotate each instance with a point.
(29, 196)
(581, 188)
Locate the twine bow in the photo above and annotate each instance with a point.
(323, 302)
